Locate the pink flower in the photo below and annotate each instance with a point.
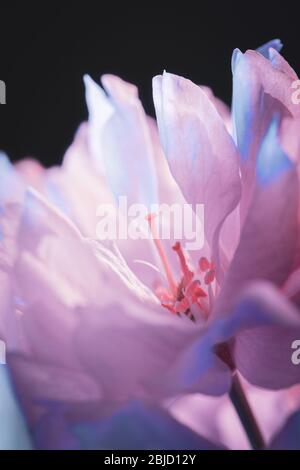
(85, 326)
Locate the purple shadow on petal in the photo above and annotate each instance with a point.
(139, 427)
(52, 431)
(289, 437)
(272, 161)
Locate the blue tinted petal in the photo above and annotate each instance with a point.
(13, 432)
(289, 436)
(246, 96)
(242, 111)
(138, 427)
(124, 144)
(272, 162)
(9, 180)
(274, 43)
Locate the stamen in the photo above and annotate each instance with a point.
(163, 294)
(155, 235)
(187, 297)
(194, 291)
(182, 306)
(187, 273)
(204, 264)
(209, 277)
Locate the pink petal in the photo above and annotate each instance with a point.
(100, 112)
(125, 143)
(279, 62)
(222, 108)
(40, 382)
(267, 247)
(77, 187)
(216, 419)
(266, 326)
(137, 352)
(32, 172)
(48, 242)
(201, 154)
(168, 189)
(9, 226)
(12, 187)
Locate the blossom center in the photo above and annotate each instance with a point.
(192, 294)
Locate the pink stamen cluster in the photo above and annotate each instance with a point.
(186, 297)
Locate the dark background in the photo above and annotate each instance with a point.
(45, 49)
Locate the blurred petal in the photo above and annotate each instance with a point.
(59, 305)
(127, 152)
(100, 111)
(289, 437)
(13, 432)
(38, 380)
(281, 64)
(199, 369)
(48, 242)
(32, 172)
(77, 188)
(259, 89)
(9, 225)
(216, 419)
(138, 427)
(168, 189)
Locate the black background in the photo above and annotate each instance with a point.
(46, 48)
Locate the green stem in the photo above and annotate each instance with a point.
(239, 400)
